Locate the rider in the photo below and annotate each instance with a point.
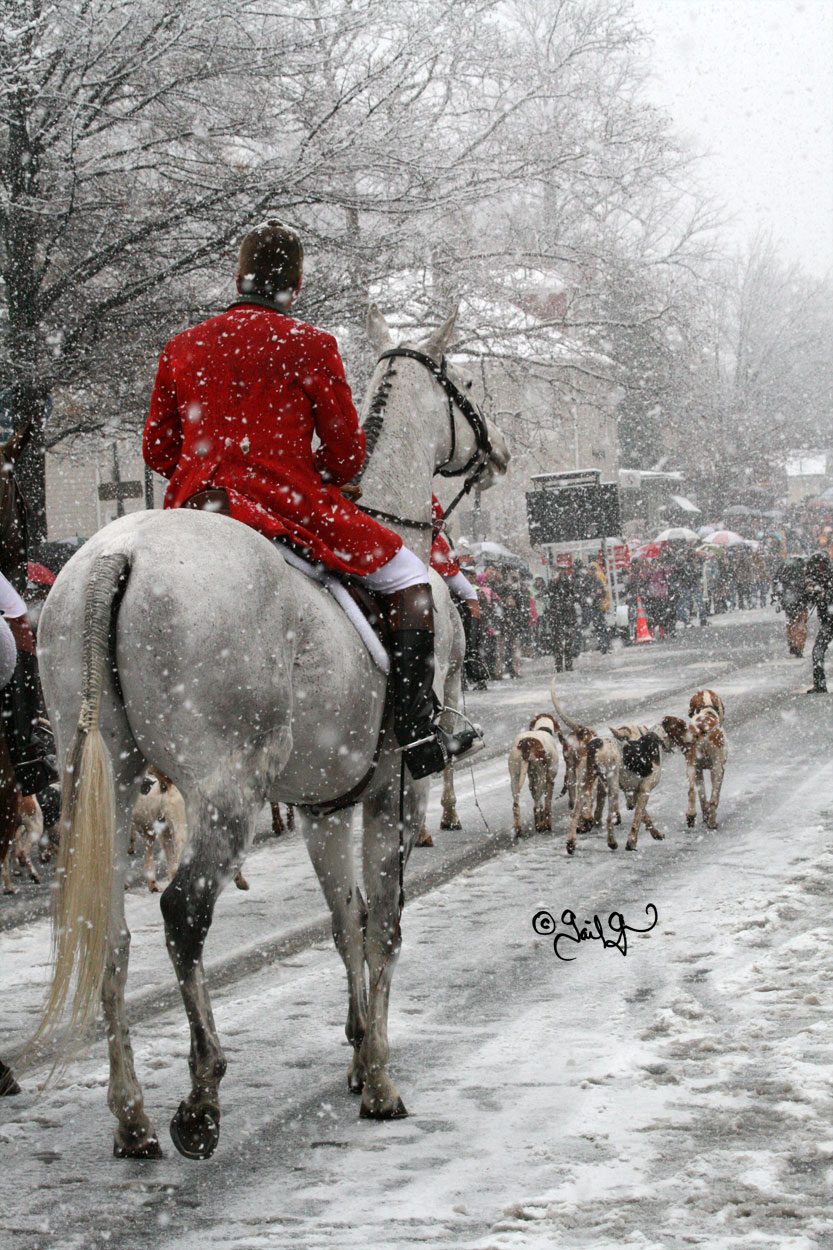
(444, 562)
(235, 406)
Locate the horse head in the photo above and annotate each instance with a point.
(466, 442)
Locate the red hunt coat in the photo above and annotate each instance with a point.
(442, 557)
(235, 406)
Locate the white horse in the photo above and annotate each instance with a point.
(185, 640)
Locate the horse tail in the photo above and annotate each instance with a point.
(86, 861)
(574, 725)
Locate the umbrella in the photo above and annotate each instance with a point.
(498, 553)
(738, 509)
(39, 575)
(678, 534)
(725, 538)
(648, 551)
(705, 530)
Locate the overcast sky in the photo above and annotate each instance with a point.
(752, 81)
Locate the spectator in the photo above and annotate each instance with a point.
(562, 618)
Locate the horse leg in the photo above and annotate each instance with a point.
(383, 865)
(450, 819)
(452, 698)
(8, 814)
(135, 1137)
(328, 840)
(188, 908)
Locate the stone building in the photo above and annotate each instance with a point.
(555, 417)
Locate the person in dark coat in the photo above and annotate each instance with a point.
(788, 589)
(562, 618)
(236, 405)
(818, 589)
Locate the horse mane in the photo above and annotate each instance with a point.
(375, 417)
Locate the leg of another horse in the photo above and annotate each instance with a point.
(452, 698)
(8, 813)
(135, 1137)
(188, 907)
(380, 1097)
(329, 843)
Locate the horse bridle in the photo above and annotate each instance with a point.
(475, 466)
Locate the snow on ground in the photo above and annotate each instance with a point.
(676, 1097)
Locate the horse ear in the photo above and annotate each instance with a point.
(439, 340)
(377, 330)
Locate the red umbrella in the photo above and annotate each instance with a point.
(39, 574)
(648, 551)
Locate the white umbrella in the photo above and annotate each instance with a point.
(705, 530)
(725, 538)
(678, 533)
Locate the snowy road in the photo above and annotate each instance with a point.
(677, 1097)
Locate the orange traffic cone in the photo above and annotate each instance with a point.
(643, 633)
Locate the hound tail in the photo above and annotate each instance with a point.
(86, 862)
(574, 725)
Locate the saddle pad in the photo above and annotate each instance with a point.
(344, 599)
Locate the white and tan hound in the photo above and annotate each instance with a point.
(29, 831)
(703, 742)
(160, 813)
(533, 757)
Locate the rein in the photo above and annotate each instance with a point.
(472, 414)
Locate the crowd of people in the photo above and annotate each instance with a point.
(676, 584)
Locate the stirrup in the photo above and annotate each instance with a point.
(439, 749)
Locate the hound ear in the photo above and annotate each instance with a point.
(621, 734)
(439, 340)
(377, 330)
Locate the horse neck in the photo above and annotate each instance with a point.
(412, 440)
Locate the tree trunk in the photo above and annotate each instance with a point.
(30, 407)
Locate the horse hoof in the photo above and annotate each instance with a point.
(355, 1084)
(131, 1144)
(395, 1112)
(424, 839)
(195, 1131)
(454, 823)
(8, 1085)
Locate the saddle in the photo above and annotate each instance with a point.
(372, 607)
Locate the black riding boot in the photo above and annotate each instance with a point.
(475, 669)
(428, 749)
(20, 712)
